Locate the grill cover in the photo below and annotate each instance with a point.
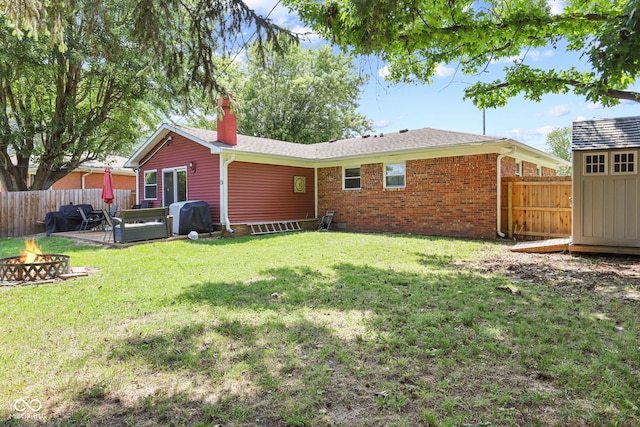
(191, 216)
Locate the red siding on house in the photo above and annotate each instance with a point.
(202, 184)
(260, 193)
(449, 196)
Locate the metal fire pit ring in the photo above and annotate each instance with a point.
(12, 270)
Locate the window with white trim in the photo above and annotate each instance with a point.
(351, 178)
(595, 164)
(395, 175)
(623, 162)
(518, 167)
(150, 184)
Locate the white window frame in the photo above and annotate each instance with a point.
(605, 163)
(175, 189)
(344, 178)
(155, 171)
(626, 163)
(518, 167)
(404, 175)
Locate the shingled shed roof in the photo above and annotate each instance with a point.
(622, 132)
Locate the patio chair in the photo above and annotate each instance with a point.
(326, 220)
(113, 209)
(89, 222)
(108, 225)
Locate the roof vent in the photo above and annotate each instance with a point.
(333, 140)
(366, 136)
(404, 130)
(381, 135)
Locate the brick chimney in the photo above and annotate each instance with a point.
(227, 124)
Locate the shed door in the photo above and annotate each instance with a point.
(608, 199)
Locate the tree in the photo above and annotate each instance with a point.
(559, 143)
(106, 72)
(416, 36)
(301, 95)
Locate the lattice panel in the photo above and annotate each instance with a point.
(12, 270)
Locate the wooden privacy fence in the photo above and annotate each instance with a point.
(535, 208)
(23, 212)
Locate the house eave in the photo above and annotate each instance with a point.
(253, 157)
(499, 146)
(539, 157)
(158, 136)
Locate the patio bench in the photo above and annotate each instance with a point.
(134, 225)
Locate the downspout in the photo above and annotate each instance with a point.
(225, 192)
(82, 178)
(315, 191)
(499, 191)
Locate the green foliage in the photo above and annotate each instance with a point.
(300, 95)
(60, 109)
(416, 36)
(85, 79)
(559, 143)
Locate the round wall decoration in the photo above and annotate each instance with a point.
(299, 184)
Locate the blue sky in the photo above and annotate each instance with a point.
(440, 105)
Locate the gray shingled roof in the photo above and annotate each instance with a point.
(360, 146)
(623, 132)
(397, 141)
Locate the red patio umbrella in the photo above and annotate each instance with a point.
(107, 187)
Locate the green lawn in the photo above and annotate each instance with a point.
(312, 329)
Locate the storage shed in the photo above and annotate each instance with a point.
(606, 185)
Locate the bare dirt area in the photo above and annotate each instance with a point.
(614, 275)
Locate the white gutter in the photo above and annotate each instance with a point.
(499, 191)
(225, 193)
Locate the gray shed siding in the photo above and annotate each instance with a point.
(606, 205)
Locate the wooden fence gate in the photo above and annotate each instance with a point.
(535, 208)
(23, 212)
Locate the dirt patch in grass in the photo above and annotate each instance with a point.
(611, 275)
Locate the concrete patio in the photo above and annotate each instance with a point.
(105, 238)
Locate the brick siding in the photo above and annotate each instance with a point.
(449, 196)
(529, 169)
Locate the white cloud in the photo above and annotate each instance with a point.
(539, 55)
(557, 111)
(533, 55)
(580, 119)
(593, 106)
(556, 6)
(444, 71)
(384, 72)
(517, 134)
(545, 130)
(533, 137)
(380, 124)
